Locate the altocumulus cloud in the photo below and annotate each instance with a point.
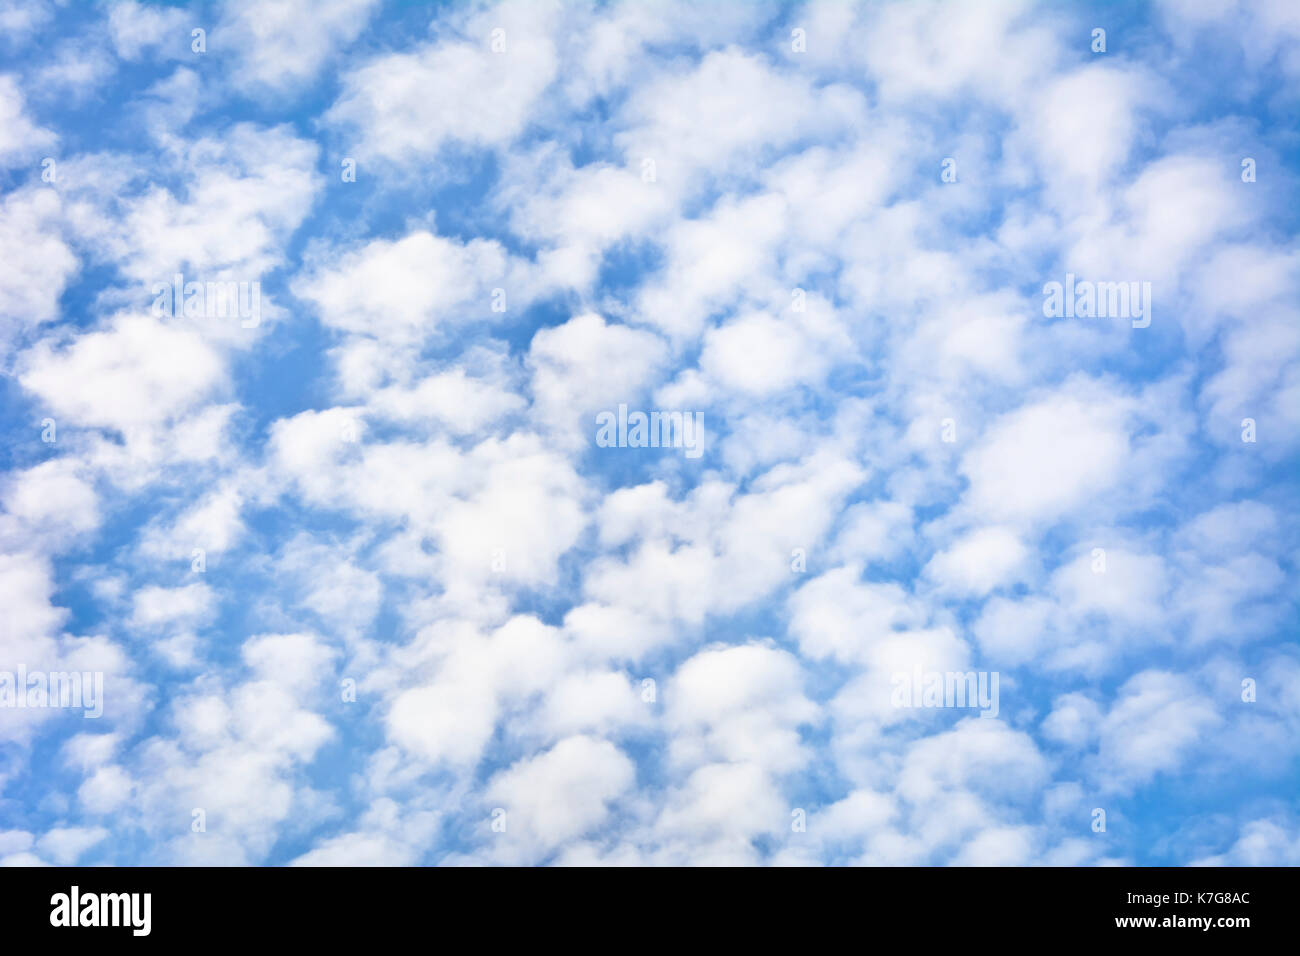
(334, 527)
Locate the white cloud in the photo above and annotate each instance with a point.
(404, 290)
(283, 43)
(137, 372)
(154, 606)
(558, 795)
(1046, 458)
(66, 845)
(739, 704)
(1261, 843)
(979, 561)
(406, 106)
(21, 138)
(1157, 721)
(587, 365)
(137, 27)
(41, 264)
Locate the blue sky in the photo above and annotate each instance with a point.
(363, 587)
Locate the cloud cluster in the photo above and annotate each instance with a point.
(307, 316)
